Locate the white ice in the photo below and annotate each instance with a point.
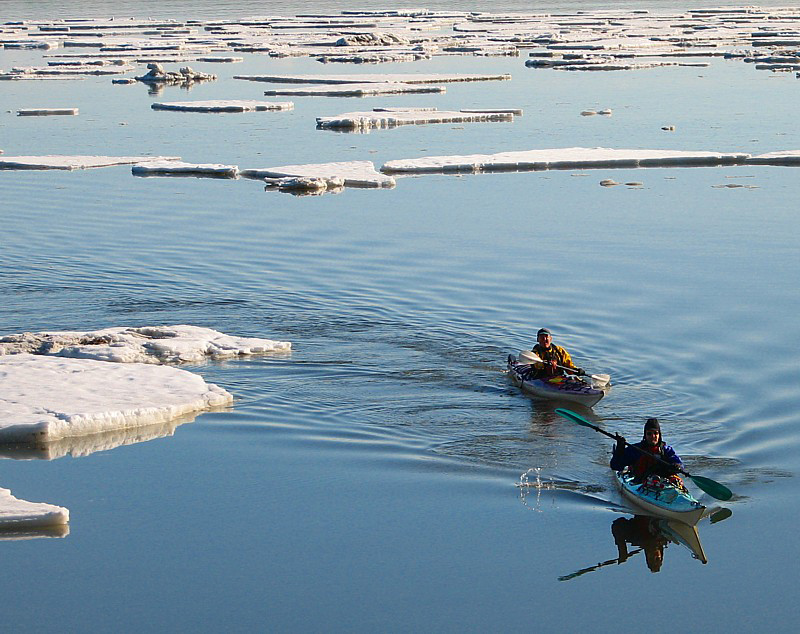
(45, 398)
(407, 78)
(18, 517)
(74, 162)
(157, 344)
(354, 90)
(223, 105)
(387, 119)
(352, 173)
(562, 158)
(179, 168)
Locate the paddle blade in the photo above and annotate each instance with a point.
(575, 418)
(526, 356)
(713, 488)
(601, 380)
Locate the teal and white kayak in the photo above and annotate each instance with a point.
(571, 389)
(658, 497)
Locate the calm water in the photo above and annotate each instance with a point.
(367, 481)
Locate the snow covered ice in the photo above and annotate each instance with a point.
(19, 519)
(388, 118)
(46, 398)
(562, 158)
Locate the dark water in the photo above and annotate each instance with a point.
(367, 481)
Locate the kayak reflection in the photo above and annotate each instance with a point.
(651, 536)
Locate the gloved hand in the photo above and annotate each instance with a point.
(620, 447)
(580, 372)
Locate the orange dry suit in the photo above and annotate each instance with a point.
(553, 353)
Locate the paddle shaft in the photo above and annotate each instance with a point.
(535, 358)
(639, 449)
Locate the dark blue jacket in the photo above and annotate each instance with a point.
(640, 464)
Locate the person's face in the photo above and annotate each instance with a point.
(652, 436)
(544, 340)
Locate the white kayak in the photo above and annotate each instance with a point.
(658, 497)
(571, 389)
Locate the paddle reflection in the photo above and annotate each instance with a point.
(651, 536)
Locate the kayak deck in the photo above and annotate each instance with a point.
(565, 388)
(664, 500)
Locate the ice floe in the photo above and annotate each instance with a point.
(19, 519)
(407, 78)
(148, 344)
(354, 90)
(388, 118)
(562, 158)
(184, 77)
(44, 112)
(787, 157)
(46, 398)
(223, 105)
(179, 168)
(74, 162)
(347, 173)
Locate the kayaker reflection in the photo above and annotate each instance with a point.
(643, 533)
(637, 457)
(555, 360)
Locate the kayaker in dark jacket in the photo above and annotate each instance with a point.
(641, 464)
(552, 356)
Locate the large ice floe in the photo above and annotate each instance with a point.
(74, 162)
(45, 398)
(322, 176)
(149, 344)
(223, 105)
(391, 117)
(407, 78)
(20, 519)
(60, 384)
(354, 90)
(562, 158)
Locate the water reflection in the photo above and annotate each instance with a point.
(20, 533)
(79, 446)
(651, 536)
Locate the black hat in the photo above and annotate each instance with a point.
(543, 331)
(652, 423)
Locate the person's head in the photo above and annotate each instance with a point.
(655, 557)
(652, 432)
(544, 337)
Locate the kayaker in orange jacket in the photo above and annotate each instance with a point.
(552, 357)
(641, 464)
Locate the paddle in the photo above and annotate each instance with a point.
(713, 488)
(531, 357)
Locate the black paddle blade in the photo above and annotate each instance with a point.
(720, 515)
(712, 487)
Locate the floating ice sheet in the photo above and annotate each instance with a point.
(178, 168)
(45, 398)
(407, 78)
(223, 105)
(74, 162)
(562, 158)
(786, 157)
(44, 112)
(20, 519)
(354, 90)
(406, 116)
(352, 173)
(156, 344)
